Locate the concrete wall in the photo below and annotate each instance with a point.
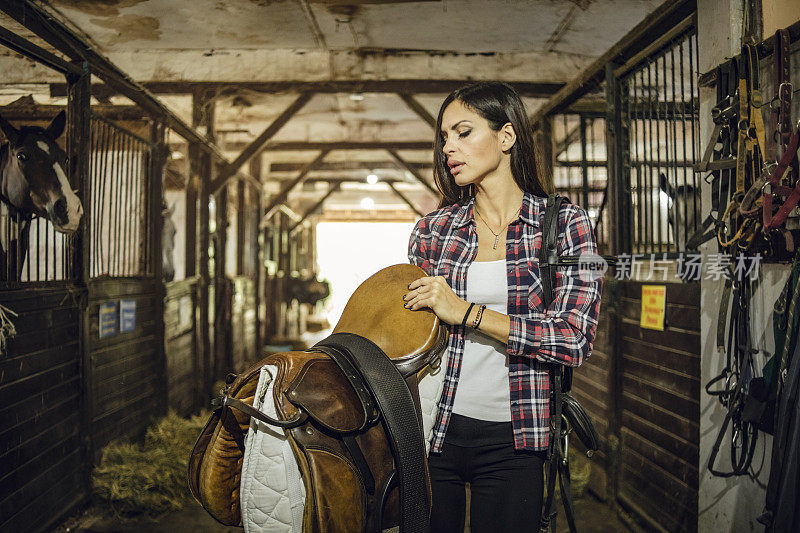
(731, 504)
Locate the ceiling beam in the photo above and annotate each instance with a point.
(348, 145)
(47, 112)
(401, 86)
(349, 180)
(405, 199)
(652, 27)
(331, 189)
(412, 171)
(289, 166)
(417, 108)
(284, 192)
(253, 148)
(39, 21)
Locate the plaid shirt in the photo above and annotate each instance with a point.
(444, 243)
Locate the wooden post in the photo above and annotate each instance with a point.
(222, 296)
(191, 210)
(584, 164)
(618, 245)
(79, 150)
(543, 149)
(203, 114)
(194, 155)
(282, 272)
(240, 227)
(617, 150)
(255, 249)
(155, 190)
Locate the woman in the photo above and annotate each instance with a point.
(480, 250)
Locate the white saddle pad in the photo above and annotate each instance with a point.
(272, 491)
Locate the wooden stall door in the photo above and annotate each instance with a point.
(43, 466)
(642, 389)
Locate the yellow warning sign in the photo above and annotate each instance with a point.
(654, 300)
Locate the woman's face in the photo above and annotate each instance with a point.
(471, 148)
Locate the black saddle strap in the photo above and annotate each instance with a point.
(404, 431)
(561, 375)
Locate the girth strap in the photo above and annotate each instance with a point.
(403, 428)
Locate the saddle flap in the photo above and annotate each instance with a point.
(376, 311)
(322, 391)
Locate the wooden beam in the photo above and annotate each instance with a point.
(348, 145)
(68, 42)
(256, 249)
(652, 27)
(240, 229)
(403, 86)
(543, 150)
(203, 110)
(651, 49)
(284, 192)
(253, 148)
(417, 108)
(405, 199)
(14, 112)
(413, 172)
(292, 166)
(38, 54)
(334, 186)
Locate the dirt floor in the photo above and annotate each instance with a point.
(592, 515)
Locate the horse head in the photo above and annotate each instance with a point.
(684, 210)
(32, 177)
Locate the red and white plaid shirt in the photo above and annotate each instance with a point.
(444, 243)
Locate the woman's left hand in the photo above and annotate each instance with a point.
(435, 293)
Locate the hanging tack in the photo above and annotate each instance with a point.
(7, 329)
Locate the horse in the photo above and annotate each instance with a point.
(167, 243)
(684, 211)
(33, 184)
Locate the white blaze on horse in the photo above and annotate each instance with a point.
(33, 182)
(684, 210)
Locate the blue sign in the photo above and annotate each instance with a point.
(107, 319)
(127, 315)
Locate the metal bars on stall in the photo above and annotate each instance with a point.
(119, 234)
(579, 169)
(660, 105)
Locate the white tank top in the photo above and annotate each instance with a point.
(483, 390)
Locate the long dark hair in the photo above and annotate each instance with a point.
(498, 103)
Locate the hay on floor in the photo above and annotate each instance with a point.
(149, 478)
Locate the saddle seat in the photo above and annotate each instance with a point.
(336, 430)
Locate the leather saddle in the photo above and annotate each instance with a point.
(350, 409)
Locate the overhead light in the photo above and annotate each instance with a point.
(356, 97)
(367, 203)
(372, 179)
(176, 155)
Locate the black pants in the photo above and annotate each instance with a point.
(506, 485)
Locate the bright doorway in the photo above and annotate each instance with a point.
(350, 252)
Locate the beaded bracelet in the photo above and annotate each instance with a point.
(478, 317)
(464, 322)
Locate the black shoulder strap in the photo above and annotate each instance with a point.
(562, 376)
(548, 253)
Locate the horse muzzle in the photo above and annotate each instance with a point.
(65, 214)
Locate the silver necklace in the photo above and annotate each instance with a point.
(497, 235)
